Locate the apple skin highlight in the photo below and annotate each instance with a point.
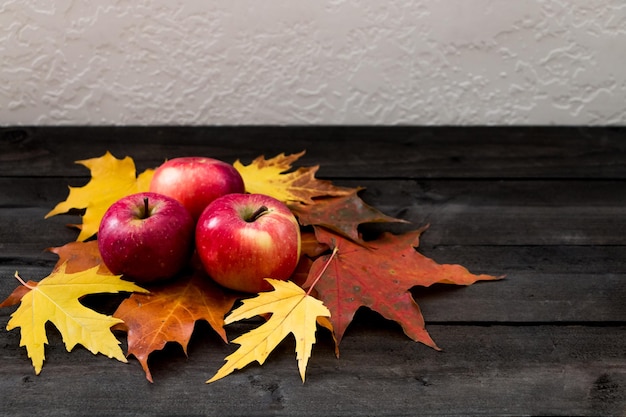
(239, 250)
(146, 247)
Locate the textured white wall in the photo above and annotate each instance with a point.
(312, 62)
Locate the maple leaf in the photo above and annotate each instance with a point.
(309, 245)
(56, 299)
(111, 179)
(272, 177)
(341, 214)
(169, 313)
(292, 311)
(16, 296)
(75, 256)
(79, 256)
(379, 276)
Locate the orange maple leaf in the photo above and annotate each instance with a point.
(274, 177)
(79, 256)
(16, 296)
(379, 275)
(169, 313)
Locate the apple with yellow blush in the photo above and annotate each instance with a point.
(241, 239)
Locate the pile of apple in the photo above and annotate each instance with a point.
(197, 206)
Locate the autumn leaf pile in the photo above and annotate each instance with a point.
(339, 273)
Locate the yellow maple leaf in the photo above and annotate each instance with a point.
(271, 177)
(293, 311)
(56, 299)
(111, 179)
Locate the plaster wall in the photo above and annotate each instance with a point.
(424, 62)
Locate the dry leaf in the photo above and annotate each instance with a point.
(56, 299)
(341, 214)
(169, 313)
(379, 276)
(79, 256)
(274, 177)
(75, 256)
(292, 311)
(111, 179)
(309, 245)
(16, 296)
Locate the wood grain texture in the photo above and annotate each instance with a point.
(544, 206)
(483, 370)
(353, 152)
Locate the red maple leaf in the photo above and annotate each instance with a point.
(379, 275)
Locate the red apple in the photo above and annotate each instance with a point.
(196, 181)
(242, 239)
(147, 237)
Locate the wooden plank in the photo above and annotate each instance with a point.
(468, 213)
(518, 228)
(492, 370)
(513, 212)
(529, 298)
(523, 297)
(506, 260)
(25, 231)
(545, 206)
(410, 152)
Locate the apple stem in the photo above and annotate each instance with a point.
(258, 213)
(146, 208)
(330, 258)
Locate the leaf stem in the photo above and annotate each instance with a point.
(319, 276)
(22, 281)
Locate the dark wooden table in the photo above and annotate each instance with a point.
(544, 205)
